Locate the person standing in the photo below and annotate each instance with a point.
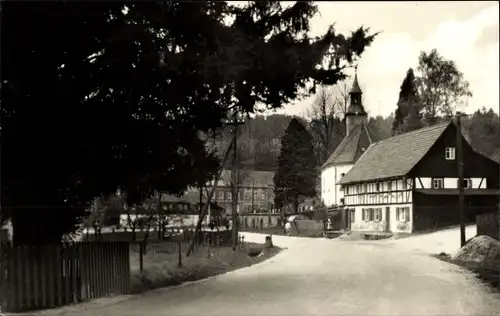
(329, 225)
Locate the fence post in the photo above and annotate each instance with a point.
(141, 258)
(218, 243)
(179, 253)
(208, 244)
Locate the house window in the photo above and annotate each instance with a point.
(405, 184)
(368, 214)
(449, 153)
(365, 187)
(377, 186)
(402, 214)
(342, 201)
(227, 195)
(467, 183)
(263, 196)
(347, 191)
(389, 185)
(437, 183)
(378, 214)
(352, 215)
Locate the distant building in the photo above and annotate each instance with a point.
(358, 138)
(255, 191)
(409, 183)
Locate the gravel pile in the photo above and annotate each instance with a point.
(481, 249)
(353, 236)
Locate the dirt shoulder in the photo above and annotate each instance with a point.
(161, 268)
(488, 274)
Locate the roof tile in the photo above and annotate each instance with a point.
(351, 147)
(395, 156)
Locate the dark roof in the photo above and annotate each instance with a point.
(395, 156)
(355, 85)
(351, 147)
(495, 156)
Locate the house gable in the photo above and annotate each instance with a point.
(435, 165)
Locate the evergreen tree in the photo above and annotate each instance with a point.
(296, 175)
(407, 115)
(101, 95)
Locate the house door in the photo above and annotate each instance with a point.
(348, 218)
(387, 219)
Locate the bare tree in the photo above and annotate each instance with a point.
(328, 109)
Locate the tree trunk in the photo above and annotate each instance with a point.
(296, 204)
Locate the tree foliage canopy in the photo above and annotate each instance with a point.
(408, 112)
(99, 96)
(441, 85)
(296, 166)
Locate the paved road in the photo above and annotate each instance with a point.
(324, 277)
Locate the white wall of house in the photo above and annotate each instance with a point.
(180, 220)
(331, 193)
(397, 222)
(449, 183)
(381, 205)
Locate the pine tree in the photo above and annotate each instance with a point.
(407, 115)
(296, 175)
(124, 91)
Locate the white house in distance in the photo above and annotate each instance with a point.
(358, 138)
(409, 183)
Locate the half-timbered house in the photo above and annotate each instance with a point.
(409, 182)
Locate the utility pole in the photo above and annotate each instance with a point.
(253, 196)
(235, 122)
(460, 165)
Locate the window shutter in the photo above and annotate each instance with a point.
(371, 214)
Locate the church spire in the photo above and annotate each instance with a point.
(355, 85)
(356, 113)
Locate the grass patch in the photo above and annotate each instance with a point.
(487, 273)
(161, 264)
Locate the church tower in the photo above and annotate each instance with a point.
(358, 138)
(356, 113)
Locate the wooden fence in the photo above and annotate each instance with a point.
(488, 224)
(34, 278)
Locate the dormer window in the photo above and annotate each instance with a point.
(342, 174)
(449, 153)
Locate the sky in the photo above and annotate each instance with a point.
(465, 32)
